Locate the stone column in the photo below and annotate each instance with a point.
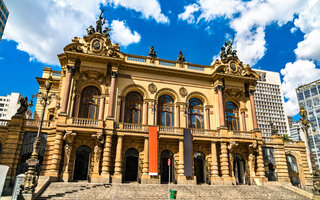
(186, 114)
(99, 140)
(145, 170)
(253, 110)
(67, 89)
(123, 107)
(178, 115)
(224, 162)
(243, 116)
(76, 106)
(207, 118)
(219, 89)
(260, 165)
(56, 154)
(181, 177)
(101, 109)
(155, 114)
(214, 163)
(145, 113)
(117, 177)
(112, 93)
(106, 160)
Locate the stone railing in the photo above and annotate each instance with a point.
(85, 122)
(242, 134)
(3, 122)
(170, 130)
(202, 132)
(267, 139)
(36, 123)
(131, 127)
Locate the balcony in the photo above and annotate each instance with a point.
(35, 123)
(3, 122)
(131, 127)
(170, 130)
(85, 122)
(204, 132)
(244, 134)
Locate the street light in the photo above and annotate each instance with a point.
(30, 180)
(305, 123)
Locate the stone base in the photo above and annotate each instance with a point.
(117, 178)
(186, 180)
(25, 197)
(66, 177)
(215, 180)
(226, 180)
(100, 179)
(147, 179)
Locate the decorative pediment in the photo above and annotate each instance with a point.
(96, 42)
(93, 75)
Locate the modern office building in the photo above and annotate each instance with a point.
(4, 13)
(270, 104)
(309, 97)
(290, 120)
(10, 104)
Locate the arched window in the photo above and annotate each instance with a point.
(133, 108)
(165, 111)
(89, 104)
(293, 170)
(195, 111)
(232, 116)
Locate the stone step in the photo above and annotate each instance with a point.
(86, 191)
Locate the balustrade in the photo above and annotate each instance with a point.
(36, 123)
(3, 122)
(84, 122)
(131, 127)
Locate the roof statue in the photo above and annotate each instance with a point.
(100, 23)
(226, 50)
(152, 53)
(181, 57)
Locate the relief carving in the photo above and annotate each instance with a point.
(152, 88)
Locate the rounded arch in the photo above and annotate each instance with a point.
(133, 107)
(90, 102)
(294, 168)
(199, 96)
(167, 91)
(239, 169)
(231, 111)
(234, 101)
(164, 168)
(82, 163)
(137, 88)
(131, 165)
(83, 84)
(199, 161)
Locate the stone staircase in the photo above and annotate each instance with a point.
(86, 191)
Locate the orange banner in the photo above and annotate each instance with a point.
(153, 150)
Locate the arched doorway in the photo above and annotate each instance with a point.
(239, 169)
(293, 170)
(199, 167)
(82, 163)
(131, 165)
(165, 155)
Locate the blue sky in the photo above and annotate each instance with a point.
(269, 34)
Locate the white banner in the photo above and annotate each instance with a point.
(3, 174)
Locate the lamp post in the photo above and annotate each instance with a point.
(31, 180)
(305, 123)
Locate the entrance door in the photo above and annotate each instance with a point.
(131, 165)
(293, 170)
(82, 163)
(199, 164)
(165, 155)
(239, 169)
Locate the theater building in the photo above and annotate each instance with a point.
(121, 117)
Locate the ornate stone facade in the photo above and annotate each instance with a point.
(110, 98)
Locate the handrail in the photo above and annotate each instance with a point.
(131, 127)
(85, 122)
(36, 123)
(170, 130)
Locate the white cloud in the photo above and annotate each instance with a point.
(122, 34)
(149, 9)
(44, 28)
(299, 72)
(249, 20)
(187, 15)
(309, 48)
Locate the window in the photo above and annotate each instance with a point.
(195, 111)
(89, 104)
(232, 116)
(300, 96)
(314, 91)
(133, 108)
(1, 105)
(165, 111)
(307, 93)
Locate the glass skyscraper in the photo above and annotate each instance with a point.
(4, 13)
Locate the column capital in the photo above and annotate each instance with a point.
(114, 74)
(219, 88)
(252, 91)
(71, 69)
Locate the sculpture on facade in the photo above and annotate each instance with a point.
(274, 130)
(227, 51)
(100, 22)
(90, 30)
(181, 57)
(106, 33)
(23, 106)
(152, 53)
